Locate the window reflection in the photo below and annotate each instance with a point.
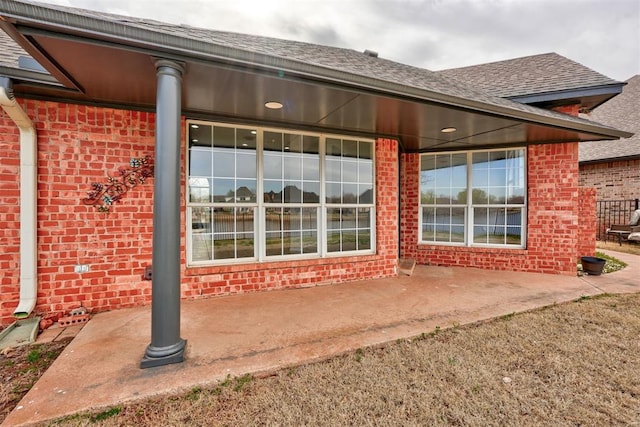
(224, 208)
(497, 181)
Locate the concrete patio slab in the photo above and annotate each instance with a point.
(262, 332)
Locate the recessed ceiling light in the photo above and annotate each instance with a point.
(273, 105)
(448, 130)
(253, 132)
(194, 140)
(244, 144)
(194, 126)
(286, 148)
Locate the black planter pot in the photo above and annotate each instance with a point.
(592, 265)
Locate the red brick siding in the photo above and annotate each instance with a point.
(617, 180)
(552, 218)
(9, 215)
(79, 145)
(588, 222)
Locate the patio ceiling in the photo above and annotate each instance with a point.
(100, 68)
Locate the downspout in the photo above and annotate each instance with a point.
(28, 203)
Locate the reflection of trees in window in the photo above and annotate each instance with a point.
(495, 212)
(223, 183)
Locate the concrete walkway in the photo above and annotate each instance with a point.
(262, 332)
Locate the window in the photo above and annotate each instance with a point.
(349, 194)
(491, 214)
(316, 194)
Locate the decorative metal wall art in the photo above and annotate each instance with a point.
(103, 196)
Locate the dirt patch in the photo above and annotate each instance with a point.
(571, 364)
(21, 367)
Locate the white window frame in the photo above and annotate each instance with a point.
(261, 206)
(469, 206)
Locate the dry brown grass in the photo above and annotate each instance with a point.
(21, 367)
(571, 364)
(626, 247)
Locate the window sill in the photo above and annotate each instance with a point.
(197, 270)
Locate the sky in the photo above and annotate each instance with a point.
(604, 35)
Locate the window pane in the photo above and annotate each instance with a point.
(349, 171)
(223, 190)
(200, 135)
(365, 193)
(224, 164)
(311, 167)
(200, 162)
(273, 191)
(292, 192)
(350, 193)
(246, 164)
(199, 190)
(365, 150)
(273, 243)
(365, 171)
(272, 166)
(292, 143)
(273, 219)
(333, 219)
(246, 190)
(332, 169)
(333, 147)
(311, 144)
(291, 231)
(364, 239)
(291, 243)
(246, 139)
(224, 137)
(333, 241)
(201, 237)
(273, 141)
(293, 168)
(233, 229)
(311, 192)
(334, 193)
(349, 148)
(309, 242)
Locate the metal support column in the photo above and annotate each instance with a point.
(166, 345)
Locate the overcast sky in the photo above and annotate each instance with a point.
(434, 34)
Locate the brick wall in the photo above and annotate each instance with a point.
(617, 180)
(552, 218)
(588, 222)
(79, 145)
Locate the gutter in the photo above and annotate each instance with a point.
(28, 201)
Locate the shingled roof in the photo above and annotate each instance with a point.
(11, 51)
(536, 74)
(622, 112)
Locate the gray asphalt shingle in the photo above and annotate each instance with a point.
(621, 112)
(11, 51)
(529, 75)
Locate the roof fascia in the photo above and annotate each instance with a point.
(613, 90)
(89, 28)
(29, 76)
(610, 159)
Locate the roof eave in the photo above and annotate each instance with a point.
(609, 91)
(610, 159)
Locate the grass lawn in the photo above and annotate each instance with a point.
(626, 247)
(571, 364)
